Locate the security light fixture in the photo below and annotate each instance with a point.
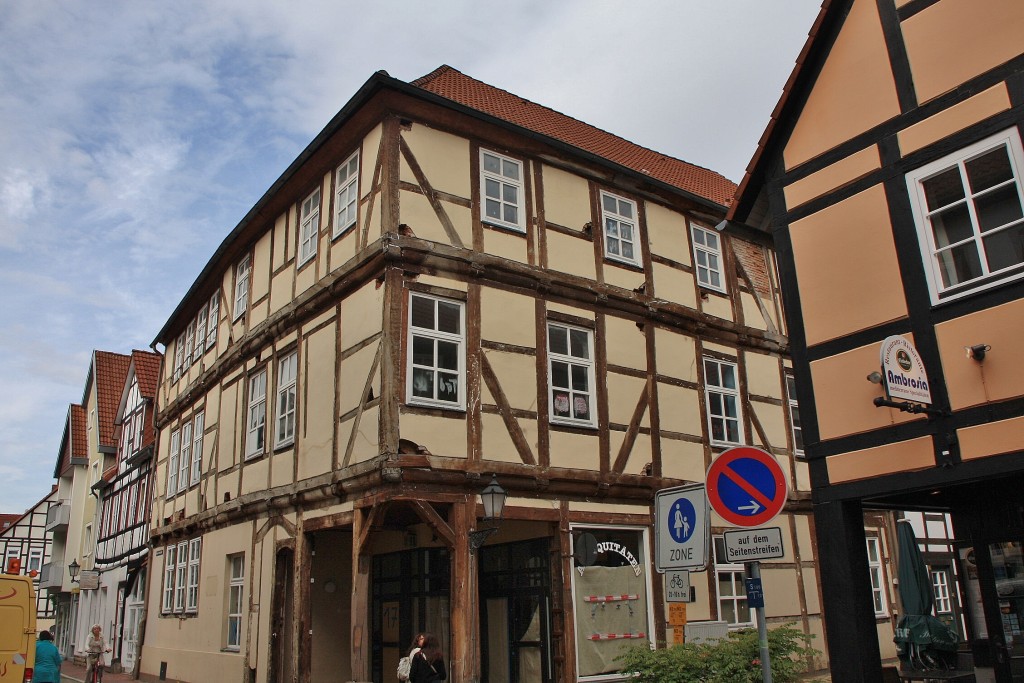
(493, 499)
(875, 377)
(73, 570)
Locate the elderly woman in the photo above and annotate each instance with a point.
(94, 649)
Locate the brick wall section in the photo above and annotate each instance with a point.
(755, 263)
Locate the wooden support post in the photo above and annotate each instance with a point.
(360, 599)
(465, 603)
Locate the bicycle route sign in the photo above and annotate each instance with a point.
(681, 525)
(746, 486)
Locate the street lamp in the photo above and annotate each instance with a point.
(493, 499)
(73, 570)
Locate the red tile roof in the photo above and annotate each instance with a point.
(110, 371)
(79, 433)
(147, 371)
(456, 86)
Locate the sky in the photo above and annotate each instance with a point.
(135, 135)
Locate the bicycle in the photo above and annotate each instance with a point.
(94, 668)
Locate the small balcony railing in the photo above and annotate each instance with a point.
(51, 576)
(58, 516)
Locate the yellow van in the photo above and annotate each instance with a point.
(17, 626)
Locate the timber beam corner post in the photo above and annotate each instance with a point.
(465, 599)
(362, 521)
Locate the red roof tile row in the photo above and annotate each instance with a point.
(110, 371)
(458, 87)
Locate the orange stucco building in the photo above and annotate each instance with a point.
(891, 179)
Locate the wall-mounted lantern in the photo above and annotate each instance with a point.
(73, 570)
(493, 499)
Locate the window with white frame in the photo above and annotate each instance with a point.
(256, 415)
(436, 353)
(970, 221)
(201, 319)
(172, 463)
(192, 587)
(236, 588)
(721, 391)
(571, 374)
(242, 271)
(309, 226)
(197, 448)
(170, 566)
(35, 560)
(179, 357)
(730, 589)
(286, 372)
(878, 596)
(185, 457)
(346, 194)
(213, 320)
(180, 572)
(190, 339)
(940, 590)
(89, 544)
(707, 257)
(11, 552)
(501, 190)
(618, 215)
(794, 415)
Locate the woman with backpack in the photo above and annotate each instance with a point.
(428, 664)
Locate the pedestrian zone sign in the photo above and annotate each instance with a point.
(681, 528)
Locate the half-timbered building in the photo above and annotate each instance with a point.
(122, 521)
(25, 541)
(891, 179)
(450, 286)
(90, 437)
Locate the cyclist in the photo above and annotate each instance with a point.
(95, 648)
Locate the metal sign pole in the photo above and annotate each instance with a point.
(754, 573)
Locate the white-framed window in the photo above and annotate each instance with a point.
(11, 552)
(612, 579)
(346, 194)
(190, 340)
(201, 319)
(236, 589)
(213, 320)
(571, 375)
(968, 211)
(242, 271)
(192, 587)
(180, 572)
(501, 191)
(170, 566)
(185, 457)
(197, 448)
(878, 596)
(256, 415)
(172, 463)
(179, 357)
(940, 590)
(722, 396)
(794, 415)
(35, 560)
(309, 226)
(619, 218)
(730, 588)
(707, 257)
(436, 353)
(286, 373)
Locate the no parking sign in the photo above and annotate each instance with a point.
(746, 486)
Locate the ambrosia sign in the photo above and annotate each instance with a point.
(904, 373)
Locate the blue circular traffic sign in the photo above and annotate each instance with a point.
(681, 520)
(746, 486)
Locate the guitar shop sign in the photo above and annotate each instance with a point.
(904, 372)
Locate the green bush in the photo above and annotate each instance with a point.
(736, 659)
